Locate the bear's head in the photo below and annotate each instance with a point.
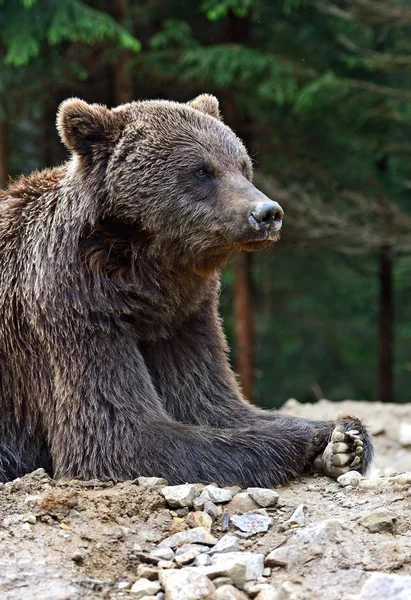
(173, 171)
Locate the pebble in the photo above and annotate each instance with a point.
(147, 572)
(166, 564)
(211, 509)
(404, 434)
(264, 496)
(218, 495)
(202, 560)
(351, 478)
(298, 516)
(381, 586)
(187, 547)
(228, 592)
(151, 481)
(198, 535)
(162, 553)
(29, 519)
(241, 503)
(123, 585)
(186, 557)
(145, 587)
(219, 581)
(268, 593)
(252, 523)
(228, 543)
(199, 519)
(380, 519)
(180, 495)
(254, 563)
(186, 585)
(201, 499)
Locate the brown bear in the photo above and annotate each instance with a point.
(113, 362)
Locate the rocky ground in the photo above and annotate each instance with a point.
(314, 539)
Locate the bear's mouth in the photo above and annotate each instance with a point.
(258, 244)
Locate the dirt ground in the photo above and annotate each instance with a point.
(68, 540)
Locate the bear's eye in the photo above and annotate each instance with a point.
(201, 173)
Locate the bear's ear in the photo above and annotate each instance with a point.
(83, 126)
(207, 104)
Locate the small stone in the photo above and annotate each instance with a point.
(228, 543)
(199, 519)
(386, 587)
(199, 501)
(162, 553)
(218, 495)
(241, 503)
(404, 434)
(254, 563)
(219, 581)
(198, 535)
(298, 516)
(151, 481)
(267, 572)
(187, 547)
(32, 499)
(166, 564)
(123, 585)
(186, 585)
(380, 519)
(147, 572)
(202, 560)
(145, 587)
(26, 527)
(351, 478)
(264, 496)
(29, 519)
(180, 495)
(252, 523)
(228, 592)
(268, 593)
(252, 588)
(187, 557)
(278, 557)
(212, 510)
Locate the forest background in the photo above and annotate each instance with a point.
(320, 91)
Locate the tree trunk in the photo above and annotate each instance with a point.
(122, 78)
(244, 322)
(3, 154)
(386, 326)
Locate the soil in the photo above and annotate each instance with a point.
(72, 539)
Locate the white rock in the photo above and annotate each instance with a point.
(185, 585)
(404, 434)
(187, 547)
(162, 553)
(264, 496)
(145, 587)
(254, 563)
(252, 523)
(180, 495)
(186, 557)
(228, 543)
(351, 478)
(228, 592)
(268, 593)
(151, 481)
(218, 495)
(202, 560)
(381, 586)
(201, 499)
(198, 535)
(298, 516)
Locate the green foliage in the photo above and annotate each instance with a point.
(30, 23)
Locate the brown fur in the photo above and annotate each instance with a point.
(112, 356)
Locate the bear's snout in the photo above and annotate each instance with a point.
(267, 215)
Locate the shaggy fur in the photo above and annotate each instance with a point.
(112, 356)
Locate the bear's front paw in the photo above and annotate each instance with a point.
(349, 449)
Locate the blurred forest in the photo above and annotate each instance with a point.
(320, 91)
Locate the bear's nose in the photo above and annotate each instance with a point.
(266, 214)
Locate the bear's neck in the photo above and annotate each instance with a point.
(163, 290)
